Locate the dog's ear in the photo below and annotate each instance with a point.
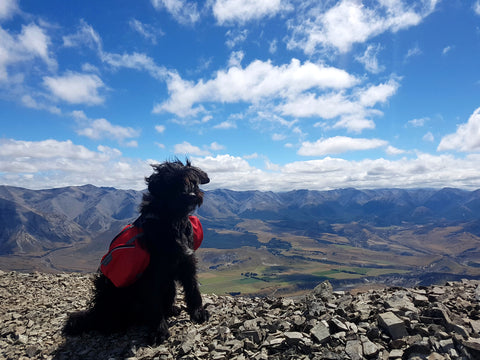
(162, 177)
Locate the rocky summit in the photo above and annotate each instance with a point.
(435, 322)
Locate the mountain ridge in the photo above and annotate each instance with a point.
(289, 239)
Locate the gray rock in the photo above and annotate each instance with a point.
(392, 324)
(293, 337)
(337, 324)
(446, 345)
(472, 343)
(315, 308)
(475, 324)
(354, 349)
(320, 332)
(369, 348)
(477, 293)
(396, 354)
(324, 290)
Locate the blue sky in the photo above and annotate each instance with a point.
(269, 95)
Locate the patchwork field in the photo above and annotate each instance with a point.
(351, 256)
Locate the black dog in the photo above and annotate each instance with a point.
(173, 193)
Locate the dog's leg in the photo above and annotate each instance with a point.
(169, 308)
(193, 298)
(159, 305)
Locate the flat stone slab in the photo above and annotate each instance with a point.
(392, 324)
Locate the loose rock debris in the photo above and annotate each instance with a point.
(434, 323)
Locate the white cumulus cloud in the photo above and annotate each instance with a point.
(338, 145)
(259, 80)
(348, 22)
(53, 163)
(76, 88)
(102, 128)
(188, 149)
(294, 89)
(466, 138)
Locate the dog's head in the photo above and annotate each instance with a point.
(174, 187)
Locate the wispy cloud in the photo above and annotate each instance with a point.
(272, 49)
(149, 32)
(369, 59)
(476, 7)
(236, 58)
(418, 122)
(414, 51)
(235, 37)
(87, 36)
(137, 61)
(446, 50)
(84, 36)
(8, 8)
(32, 103)
(32, 43)
(183, 11)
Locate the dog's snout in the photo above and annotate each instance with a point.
(204, 178)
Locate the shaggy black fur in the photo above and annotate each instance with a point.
(173, 193)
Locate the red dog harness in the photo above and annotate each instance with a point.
(127, 259)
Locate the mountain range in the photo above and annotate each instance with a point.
(254, 232)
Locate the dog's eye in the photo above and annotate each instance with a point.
(190, 188)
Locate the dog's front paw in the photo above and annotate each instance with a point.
(175, 311)
(199, 315)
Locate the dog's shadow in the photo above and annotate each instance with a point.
(95, 345)
(134, 342)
